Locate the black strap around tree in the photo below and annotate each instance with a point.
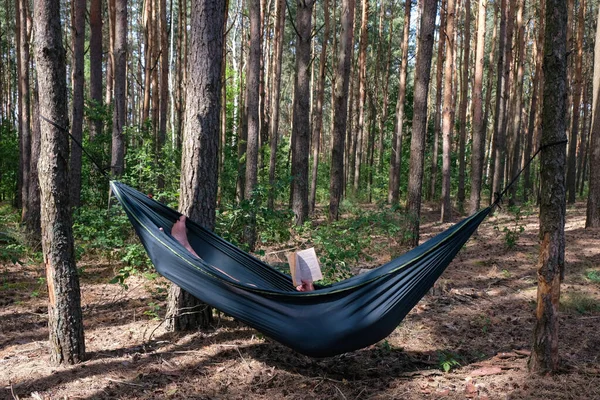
(499, 196)
(57, 126)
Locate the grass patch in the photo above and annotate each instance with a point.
(581, 302)
(593, 276)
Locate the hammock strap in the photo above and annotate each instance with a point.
(498, 196)
(88, 155)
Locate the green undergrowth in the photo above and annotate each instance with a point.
(581, 302)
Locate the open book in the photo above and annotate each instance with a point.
(304, 266)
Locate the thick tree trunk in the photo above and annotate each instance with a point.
(96, 123)
(200, 153)
(276, 93)
(419, 125)
(65, 323)
(550, 269)
(78, 10)
(340, 106)
(301, 124)
(448, 112)
(593, 203)
(478, 123)
(464, 88)
(396, 156)
(120, 75)
(318, 114)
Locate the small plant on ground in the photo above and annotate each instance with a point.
(448, 360)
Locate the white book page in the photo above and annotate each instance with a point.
(307, 267)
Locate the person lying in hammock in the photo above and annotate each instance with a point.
(179, 232)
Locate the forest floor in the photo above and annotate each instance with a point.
(477, 322)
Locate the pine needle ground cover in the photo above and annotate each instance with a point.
(469, 338)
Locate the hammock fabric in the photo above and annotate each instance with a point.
(331, 320)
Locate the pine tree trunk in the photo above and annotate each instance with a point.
(275, 106)
(200, 154)
(478, 124)
(318, 114)
(497, 167)
(78, 10)
(96, 123)
(110, 65)
(163, 89)
(301, 124)
(361, 129)
(533, 110)
(396, 156)
(439, 74)
(448, 111)
(252, 107)
(120, 74)
(550, 269)
(593, 203)
(340, 106)
(24, 104)
(577, 88)
(419, 126)
(515, 115)
(463, 106)
(65, 323)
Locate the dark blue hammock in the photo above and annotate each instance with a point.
(331, 320)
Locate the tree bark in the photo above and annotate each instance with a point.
(544, 356)
(437, 119)
(78, 10)
(396, 156)
(120, 74)
(577, 89)
(478, 123)
(24, 104)
(275, 106)
(200, 153)
(448, 112)
(252, 107)
(498, 150)
(361, 129)
(340, 106)
(533, 110)
(163, 88)
(419, 125)
(515, 115)
(110, 65)
(464, 87)
(318, 114)
(593, 203)
(301, 123)
(96, 122)
(65, 323)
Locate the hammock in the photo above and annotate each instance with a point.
(331, 320)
